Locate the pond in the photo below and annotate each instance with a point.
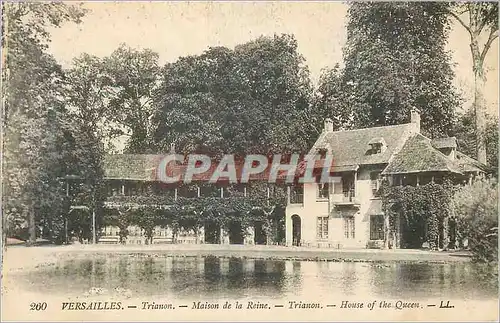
(217, 278)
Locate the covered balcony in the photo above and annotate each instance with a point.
(344, 192)
(348, 197)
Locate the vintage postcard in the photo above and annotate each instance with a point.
(249, 161)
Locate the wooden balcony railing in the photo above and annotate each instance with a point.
(296, 198)
(347, 197)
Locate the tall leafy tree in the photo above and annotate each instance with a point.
(465, 132)
(278, 90)
(33, 104)
(395, 60)
(248, 100)
(88, 94)
(190, 102)
(108, 98)
(133, 77)
(94, 123)
(480, 19)
(331, 101)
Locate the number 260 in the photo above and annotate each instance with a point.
(38, 306)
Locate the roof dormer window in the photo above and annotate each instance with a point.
(377, 145)
(376, 148)
(447, 146)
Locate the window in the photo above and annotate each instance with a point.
(397, 180)
(409, 180)
(322, 227)
(424, 180)
(337, 188)
(349, 227)
(188, 191)
(377, 145)
(376, 148)
(375, 182)
(297, 194)
(322, 192)
(210, 191)
(348, 185)
(377, 227)
(113, 189)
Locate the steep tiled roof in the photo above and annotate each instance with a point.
(131, 166)
(468, 164)
(406, 152)
(417, 156)
(352, 147)
(140, 167)
(449, 142)
(378, 140)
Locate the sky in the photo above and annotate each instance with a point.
(175, 29)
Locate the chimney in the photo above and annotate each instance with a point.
(415, 118)
(328, 125)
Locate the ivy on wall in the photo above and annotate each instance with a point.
(193, 213)
(425, 204)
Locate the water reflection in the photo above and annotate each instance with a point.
(212, 269)
(212, 278)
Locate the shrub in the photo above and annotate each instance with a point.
(476, 207)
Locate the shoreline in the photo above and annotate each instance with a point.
(22, 257)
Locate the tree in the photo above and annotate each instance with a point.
(395, 60)
(88, 94)
(109, 97)
(331, 101)
(476, 206)
(480, 19)
(247, 100)
(133, 79)
(465, 131)
(189, 103)
(93, 124)
(276, 92)
(32, 111)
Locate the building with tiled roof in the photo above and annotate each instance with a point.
(348, 213)
(418, 156)
(343, 213)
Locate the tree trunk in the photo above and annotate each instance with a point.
(446, 233)
(397, 233)
(196, 235)
(31, 226)
(479, 101)
(175, 231)
(387, 231)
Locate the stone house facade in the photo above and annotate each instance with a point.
(349, 214)
(343, 214)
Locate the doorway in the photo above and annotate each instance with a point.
(260, 237)
(212, 232)
(296, 230)
(236, 233)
